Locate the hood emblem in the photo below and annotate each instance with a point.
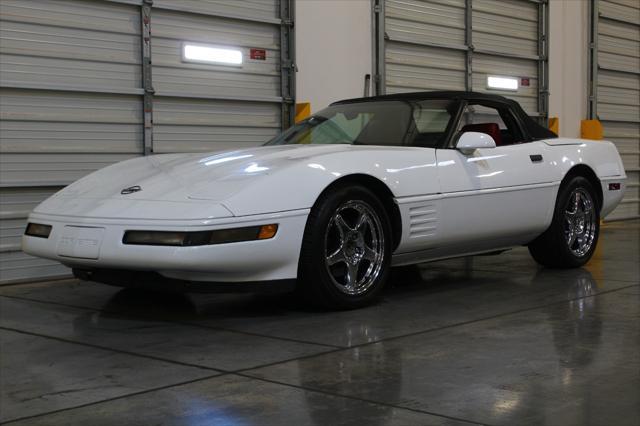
(131, 190)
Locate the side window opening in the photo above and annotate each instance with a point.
(498, 123)
(431, 120)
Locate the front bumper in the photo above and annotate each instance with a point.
(249, 261)
(154, 281)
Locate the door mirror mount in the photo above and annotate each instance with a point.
(470, 141)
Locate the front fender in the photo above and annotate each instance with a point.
(406, 171)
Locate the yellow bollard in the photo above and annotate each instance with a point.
(591, 129)
(554, 125)
(303, 110)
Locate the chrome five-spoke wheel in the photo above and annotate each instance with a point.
(354, 247)
(346, 249)
(571, 239)
(580, 222)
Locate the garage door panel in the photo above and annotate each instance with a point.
(523, 10)
(26, 71)
(183, 123)
(84, 14)
(630, 159)
(251, 9)
(619, 96)
(56, 137)
(624, 11)
(52, 169)
(630, 205)
(617, 112)
(426, 22)
(424, 57)
(55, 122)
(213, 112)
(37, 105)
(210, 29)
(11, 233)
(15, 205)
(40, 40)
(616, 29)
(506, 26)
(621, 130)
(630, 82)
(612, 46)
(16, 266)
(625, 135)
(18, 202)
(617, 101)
(205, 138)
(504, 44)
(413, 67)
(402, 78)
(207, 125)
(253, 79)
(221, 83)
(616, 62)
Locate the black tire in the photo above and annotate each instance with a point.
(319, 283)
(554, 248)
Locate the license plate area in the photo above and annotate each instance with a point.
(82, 242)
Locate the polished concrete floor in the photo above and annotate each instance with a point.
(484, 340)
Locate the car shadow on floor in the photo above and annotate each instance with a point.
(406, 283)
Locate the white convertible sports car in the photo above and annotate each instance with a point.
(329, 205)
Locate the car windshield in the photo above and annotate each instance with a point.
(422, 123)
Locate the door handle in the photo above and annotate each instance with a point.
(535, 158)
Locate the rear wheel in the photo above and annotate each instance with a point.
(572, 237)
(346, 250)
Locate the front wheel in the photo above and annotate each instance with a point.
(572, 237)
(346, 250)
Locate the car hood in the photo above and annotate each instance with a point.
(183, 177)
(177, 182)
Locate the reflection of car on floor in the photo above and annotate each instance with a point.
(337, 199)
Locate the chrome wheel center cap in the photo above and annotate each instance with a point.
(354, 249)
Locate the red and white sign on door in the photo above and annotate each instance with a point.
(258, 54)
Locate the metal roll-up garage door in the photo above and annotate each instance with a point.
(86, 83)
(456, 44)
(615, 88)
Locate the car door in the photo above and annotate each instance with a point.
(495, 197)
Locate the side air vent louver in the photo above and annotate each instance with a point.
(423, 221)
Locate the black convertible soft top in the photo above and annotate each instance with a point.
(535, 130)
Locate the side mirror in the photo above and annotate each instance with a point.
(470, 141)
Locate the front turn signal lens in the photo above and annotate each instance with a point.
(200, 238)
(38, 230)
(154, 238)
(267, 231)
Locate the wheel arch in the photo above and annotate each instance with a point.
(587, 173)
(380, 190)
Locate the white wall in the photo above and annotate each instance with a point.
(333, 50)
(568, 63)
